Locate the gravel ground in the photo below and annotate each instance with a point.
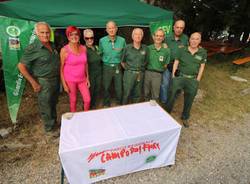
(215, 152)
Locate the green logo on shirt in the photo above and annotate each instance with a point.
(13, 31)
(161, 58)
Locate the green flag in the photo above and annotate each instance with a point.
(15, 35)
(166, 25)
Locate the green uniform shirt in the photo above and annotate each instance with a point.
(40, 61)
(189, 64)
(111, 51)
(94, 59)
(175, 44)
(157, 59)
(135, 59)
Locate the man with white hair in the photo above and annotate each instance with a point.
(111, 48)
(191, 62)
(134, 62)
(40, 66)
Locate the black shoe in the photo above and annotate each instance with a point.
(185, 123)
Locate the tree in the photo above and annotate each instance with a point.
(208, 16)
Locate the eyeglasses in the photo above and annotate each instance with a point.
(89, 38)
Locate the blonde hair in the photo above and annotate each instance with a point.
(86, 31)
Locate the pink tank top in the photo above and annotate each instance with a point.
(75, 65)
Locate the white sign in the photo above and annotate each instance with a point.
(100, 144)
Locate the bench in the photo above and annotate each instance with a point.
(242, 60)
(218, 47)
(228, 49)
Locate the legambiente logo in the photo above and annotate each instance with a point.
(13, 31)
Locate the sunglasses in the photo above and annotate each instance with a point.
(89, 38)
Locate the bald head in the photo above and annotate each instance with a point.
(179, 27)
(195, 40)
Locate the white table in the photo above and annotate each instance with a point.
(100, 144)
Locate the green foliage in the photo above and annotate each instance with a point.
(208, 16)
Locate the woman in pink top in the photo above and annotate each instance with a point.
(74, 69)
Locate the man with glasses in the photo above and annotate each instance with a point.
(111, 48)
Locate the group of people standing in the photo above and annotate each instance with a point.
(159, 71)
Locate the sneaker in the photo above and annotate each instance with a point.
(185, 123)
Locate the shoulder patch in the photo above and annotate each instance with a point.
(30, 47)
(198, 57)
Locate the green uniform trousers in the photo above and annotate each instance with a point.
(47, 100)
(132, 86)
(190, 87)
(152, 83)
(109, 73)
(95, 86)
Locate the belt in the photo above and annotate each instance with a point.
(45, 78)
(152, 70)
(134, 71)
(111, 64)
(187, 76)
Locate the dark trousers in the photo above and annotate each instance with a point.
(47, 100)
(132, 86)
(190, 87)
(152, 83)
(95, 78)
(109, 73)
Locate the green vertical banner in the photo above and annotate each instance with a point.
(15, 35)
(166, 25)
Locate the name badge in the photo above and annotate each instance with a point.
(180, 46)
(161, 58)
(143, 52)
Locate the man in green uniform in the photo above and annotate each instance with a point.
(40, 66)
(94, 66)
(134, 61)
(191, 63)
(111, 48)
(159, 57)
(174, 40)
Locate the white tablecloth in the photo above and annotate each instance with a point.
(100, 144)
